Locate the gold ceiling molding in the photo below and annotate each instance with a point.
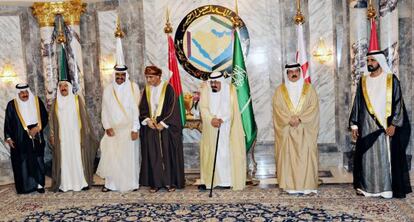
(71, 11)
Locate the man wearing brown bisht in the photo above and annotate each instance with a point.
(162, 164)
(296, 123)
(73, 142)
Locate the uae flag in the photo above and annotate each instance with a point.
(373, 41)
(301, 57)
(175, 78)
(241, 82)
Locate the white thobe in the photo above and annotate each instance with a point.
(120, 155)
(220, 106)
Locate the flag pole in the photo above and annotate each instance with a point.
(251, 179)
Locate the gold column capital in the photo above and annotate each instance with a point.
(45, 12)
(72, 11)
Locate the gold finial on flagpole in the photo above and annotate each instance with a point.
(118, 31)
(237, 21)
(168, 28)
(299, 18)
(371, 13)
(61, 36)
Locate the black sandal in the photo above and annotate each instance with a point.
(154, 190)
(104, 189)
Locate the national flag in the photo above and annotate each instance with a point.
(301, 57)
(373, 41)
(241, 82)
(175, 78)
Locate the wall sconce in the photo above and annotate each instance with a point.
(321, 53)
(107, 64)
(8, 74)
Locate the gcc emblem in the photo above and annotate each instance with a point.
(204, 40)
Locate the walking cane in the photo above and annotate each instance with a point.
(214, 166)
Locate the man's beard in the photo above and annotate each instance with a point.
(214, 90)
(372, 68)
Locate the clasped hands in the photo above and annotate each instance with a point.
(155, 126)
(33, 131)
(294, 121)
(110, 132)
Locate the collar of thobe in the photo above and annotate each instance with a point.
(25, 110)
(219, 99)
(121, 90)
(288, 101)
(160, 99)
(388, 104)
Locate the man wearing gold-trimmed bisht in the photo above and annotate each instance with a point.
(296, 124)
(219, 108)
(73, 142)
(162, 163)
(380, 126)
(25, 119)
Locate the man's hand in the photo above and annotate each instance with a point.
(355, 134)
(52, 140)
(151, 124)
(160, 126)
(216, 122)
(390, 130)
(110, 132)
(294, 121)
(10, 142)
(33, 131)
(134, 135)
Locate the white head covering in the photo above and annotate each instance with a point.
(67, 111)
(294, 88)
(27, 108)
(219, 100)
(380, 58)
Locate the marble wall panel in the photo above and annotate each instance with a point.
(323, 75)
(11, 51)
(107, 52)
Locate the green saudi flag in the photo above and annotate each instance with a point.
(241, 82)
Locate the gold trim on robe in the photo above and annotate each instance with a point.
(161, 100)
(289, 103)
(39, 120)
(77, 110)
(388, 106)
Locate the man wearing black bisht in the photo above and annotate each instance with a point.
(161, 136)
(381, 128)
(25, 119)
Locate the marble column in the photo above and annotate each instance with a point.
(405, 16)
(388, 12)
(358, 26)
(46, 20)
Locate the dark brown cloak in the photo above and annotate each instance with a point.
(89, 146)
(162, 151)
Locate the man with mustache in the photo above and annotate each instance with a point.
(219, 109)
(381, 129)
(25, 119)
(296, 126)
(73, 141)
(161, 135)
(120, 150)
